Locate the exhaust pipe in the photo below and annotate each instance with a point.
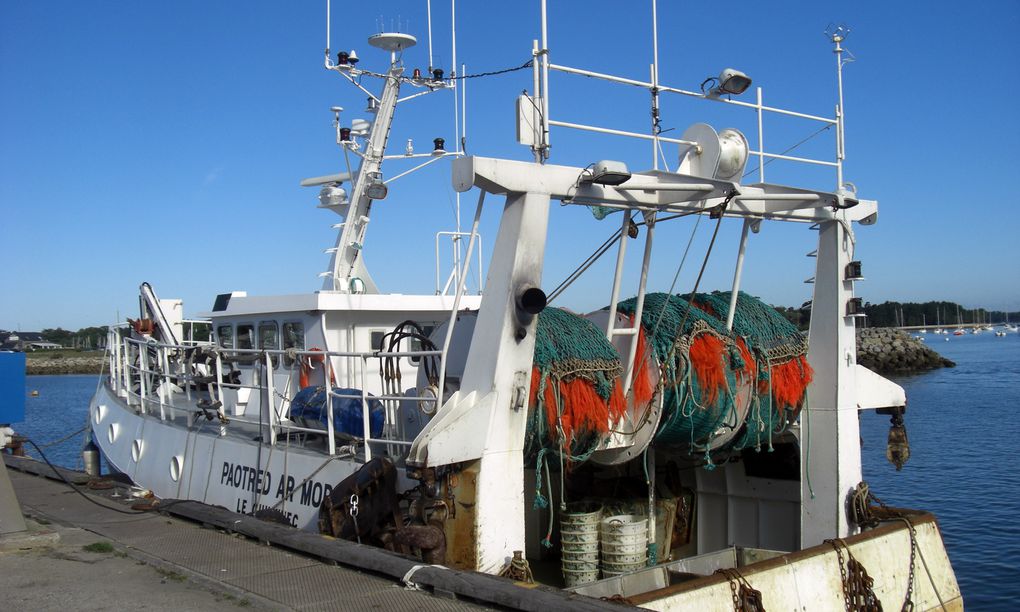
(529, 302)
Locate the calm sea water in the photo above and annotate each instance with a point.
(964, 432)
(61, 408)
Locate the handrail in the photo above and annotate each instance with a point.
(161, 384)
(657, 88)
(459, 268)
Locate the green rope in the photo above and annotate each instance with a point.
(569, 347)
(689, 419)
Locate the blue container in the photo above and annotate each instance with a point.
(12, 388)
(309, 405)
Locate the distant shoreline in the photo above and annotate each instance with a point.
(883, 350)
(57, 363)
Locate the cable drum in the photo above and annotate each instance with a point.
(723, 389)
(696, 388)
(635, 431)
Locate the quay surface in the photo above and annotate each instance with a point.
(158, 561)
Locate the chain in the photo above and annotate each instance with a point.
(842, 575)
(862, 514)
(745, 597)
(908, 603)
(354, 515)
(858, 586)
(733, 590)
(862, 491)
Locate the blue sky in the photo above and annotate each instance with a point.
(164, 142)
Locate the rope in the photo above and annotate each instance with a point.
(73, 486)
(576, 393)
(64, 439)
(576, 389)
(860, 508)
(703, 366)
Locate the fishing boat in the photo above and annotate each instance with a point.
(677, 448)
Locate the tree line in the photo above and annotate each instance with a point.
(893, 314)
(86, 337)
(905, 314)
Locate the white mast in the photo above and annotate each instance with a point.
(347, 270)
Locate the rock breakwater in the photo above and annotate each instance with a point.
(886, 350)
(72, 363)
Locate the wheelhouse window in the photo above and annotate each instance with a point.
(293, 338)
(246, 336)
(416, 343)
(225, 336)
(269, 338)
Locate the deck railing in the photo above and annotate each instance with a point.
(164, 380)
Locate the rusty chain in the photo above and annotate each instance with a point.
(745, 597)
(861, 513)
(858, 586)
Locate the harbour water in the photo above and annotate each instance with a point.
(964, 432)
(963, 429)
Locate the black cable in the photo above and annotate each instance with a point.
(75, 487)
(404, 79)
(704, 263)
(599, 252)
(527, 64)
(788, 149)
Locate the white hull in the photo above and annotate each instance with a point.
(219, 470)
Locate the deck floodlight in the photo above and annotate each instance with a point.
(376, 189)
(731, 81)
(332, 196)
(845, 198)
(608, 172)
(855, 307)
(853, 271)
(342, 58)
(440, 146)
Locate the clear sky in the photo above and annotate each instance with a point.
(164, 142)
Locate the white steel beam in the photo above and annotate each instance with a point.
(653, 191)
(830, 430)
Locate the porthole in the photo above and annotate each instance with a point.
(176, 467)
(112, 432)
(99, 413)
(136, 449)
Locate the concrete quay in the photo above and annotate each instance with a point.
(147, 561)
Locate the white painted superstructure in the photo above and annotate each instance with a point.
(218, 420)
